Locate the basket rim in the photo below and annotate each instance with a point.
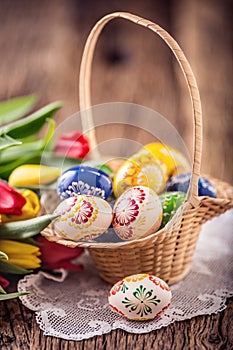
(166, 231)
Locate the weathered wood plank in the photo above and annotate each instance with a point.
(204, 30)
(202, 332)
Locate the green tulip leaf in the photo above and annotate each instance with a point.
(9, 155)
(27, 148)
(16, 108)
(25, 153)
(25, 228)
(12, 295)
(7, 141)
(50, 132)
(6, 267)
(31, 124)
(2, 291)
(6, 169)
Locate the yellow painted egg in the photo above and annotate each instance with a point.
(137, 213)
(142, 169)
(82, 217)
(174, 160)
(140, 297)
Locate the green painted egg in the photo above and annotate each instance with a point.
(170, 201)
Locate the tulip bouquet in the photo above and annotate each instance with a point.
(22, 249)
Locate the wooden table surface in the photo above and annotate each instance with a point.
(41, 45)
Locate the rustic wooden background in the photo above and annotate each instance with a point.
(41, 43)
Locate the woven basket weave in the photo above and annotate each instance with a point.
(168, 252)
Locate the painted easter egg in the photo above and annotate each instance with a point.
(83, 179)
(137, 213)
(140, 297)
(170, 201)
(99, 165)
(181, 183)
(82, 217)
(142, 169)
(174, 160)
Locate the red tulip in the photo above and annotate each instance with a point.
(55, 255)
(3, 282)
(11, 201)
(72, 144)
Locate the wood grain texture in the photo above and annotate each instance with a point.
(21, 332)
(41, 45)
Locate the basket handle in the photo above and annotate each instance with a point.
(85, 97)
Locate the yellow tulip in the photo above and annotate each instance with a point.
(33, 174)
(29, 210)
(21, 254)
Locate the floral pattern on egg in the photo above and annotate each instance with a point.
(84, 179)
(82, 218)
(127, 211)
(84, 214)
(143, 304)
(158, 282)
(136, 213)
(140, 297)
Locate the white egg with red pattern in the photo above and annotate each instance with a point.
(137, 213)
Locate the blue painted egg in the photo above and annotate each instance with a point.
(83, 179)
(181, 183)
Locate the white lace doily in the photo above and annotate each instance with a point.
(74, 305)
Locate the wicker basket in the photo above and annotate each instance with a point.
(168, 252)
